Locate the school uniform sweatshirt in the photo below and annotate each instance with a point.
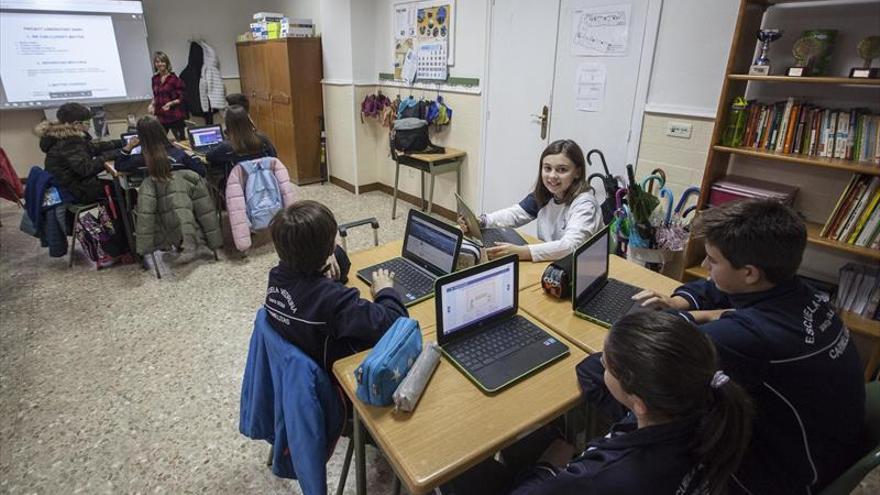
(561, 226)
(794, 356)
(325, 319)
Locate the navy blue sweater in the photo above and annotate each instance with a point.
(794, 356)
(135, 164)
(654, 459)
(325, 319)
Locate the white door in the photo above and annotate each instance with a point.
(616, 127)
(520, 82)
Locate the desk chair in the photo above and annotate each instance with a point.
(851, 478)
(344, 227)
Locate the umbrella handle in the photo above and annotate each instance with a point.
(688, 211)
(691, 191)
(666, 193)
(662, 174)
(652, 178)
(618, 197)
(595, 175)
(601, 156)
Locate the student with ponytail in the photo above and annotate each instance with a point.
(156, 152)
(685, 429)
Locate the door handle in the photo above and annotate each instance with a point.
(543, 118)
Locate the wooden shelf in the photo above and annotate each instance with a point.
(813, 230)
(806, 80)
(812, 161)
(860, 324)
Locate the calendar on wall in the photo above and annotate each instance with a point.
(432, 63)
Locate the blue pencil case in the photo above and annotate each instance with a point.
(388, 363)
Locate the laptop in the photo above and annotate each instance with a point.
(486, 237)
(203, 138)
(128, 136)
(596, 297)
(430, 249)
(479, 330)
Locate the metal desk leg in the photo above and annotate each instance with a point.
(431, 193)
(125, 205)
(360, 461)
(422, 183)
(396, 185)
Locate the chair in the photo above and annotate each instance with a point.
(851, 478)
(290, 401)
(343, 230)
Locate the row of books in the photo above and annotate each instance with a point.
(793, 126)
(856, 217)
(859, 290)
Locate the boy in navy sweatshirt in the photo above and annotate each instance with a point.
(304, 301)
(782, 341)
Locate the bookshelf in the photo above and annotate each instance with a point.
(810, 173)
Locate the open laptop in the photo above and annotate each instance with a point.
(596, 297)
(203, 138)
(486, 237)
(479, 330)
(430, 249)
(128, 136)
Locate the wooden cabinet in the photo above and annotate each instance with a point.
(282, 79)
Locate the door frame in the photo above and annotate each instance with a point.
(646, 63)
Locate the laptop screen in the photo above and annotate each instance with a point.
(592, 263)
(477, 297)
(432, 244)
(127, 138)
(205, 136)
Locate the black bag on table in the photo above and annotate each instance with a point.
(556, 280)
(410, 135)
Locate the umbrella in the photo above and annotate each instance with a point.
(641, 205)
(674, 238)
(609, 184)
(620, 223)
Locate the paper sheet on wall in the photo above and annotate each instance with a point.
(590, 87)
(600, 31)
(404, 22)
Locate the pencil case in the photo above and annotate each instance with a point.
(387, 364)
(410, 390)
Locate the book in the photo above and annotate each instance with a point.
(846, 212)
(859, 208)
(790, 127)
(866, 212)
(871, 228)
(838, 207)
(779, 143)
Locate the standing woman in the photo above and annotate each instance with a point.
(168, 104)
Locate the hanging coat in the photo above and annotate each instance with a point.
(211, 89)
(191, 76)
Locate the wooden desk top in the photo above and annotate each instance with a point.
(450, 154)
(590, 337)
(455, 425)
(424, 311)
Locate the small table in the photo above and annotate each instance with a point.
(434, 164)
(588, 336)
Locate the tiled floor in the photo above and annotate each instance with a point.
(116, 382)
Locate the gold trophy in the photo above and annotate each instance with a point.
(869, 49)
(804, 51)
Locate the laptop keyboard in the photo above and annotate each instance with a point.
(492, 344)
(611, 302)
(406, 274)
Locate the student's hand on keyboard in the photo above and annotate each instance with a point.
(707, 315)
(648, 298)
(502, 249)
(382, 279)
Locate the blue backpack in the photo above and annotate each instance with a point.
(388, 363)
(262, 194)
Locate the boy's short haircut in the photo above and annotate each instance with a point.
(238, 99)
(759, 232)
(304, 235)
(71, 112)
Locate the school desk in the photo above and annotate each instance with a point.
(433, 163)
(529, 275)
(455, 426)
(590, 337)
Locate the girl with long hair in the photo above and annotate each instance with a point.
(158, 157)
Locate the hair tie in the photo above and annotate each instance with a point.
(719, 379)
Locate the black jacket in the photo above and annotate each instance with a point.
(794, 356)
(224, 155)
(74, 159)
(179, 160)
(628, 460)
(190, 76)
(325, 319)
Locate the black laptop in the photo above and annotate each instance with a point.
(486, 237)
(594, 296)
(430, 249)
(479, 330)
(203, 139)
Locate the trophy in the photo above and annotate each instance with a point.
(869, 49)
(761, 67)
(805, 51)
